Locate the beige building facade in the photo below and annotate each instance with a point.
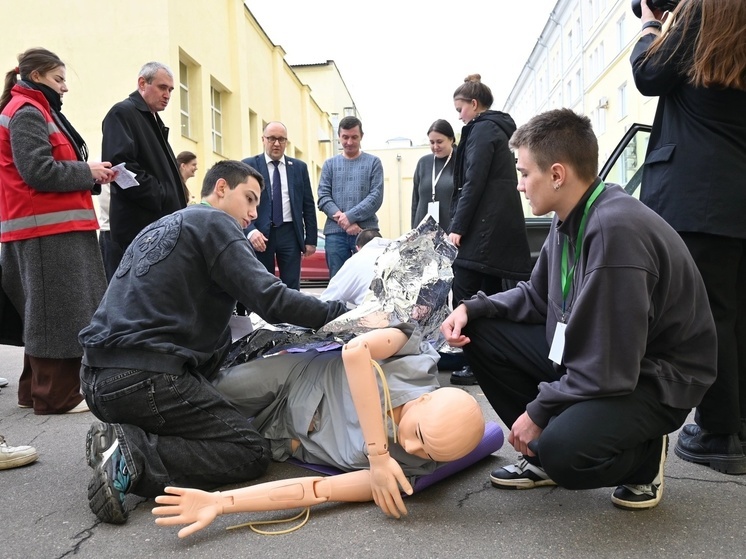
(230, 79)
(581, 61)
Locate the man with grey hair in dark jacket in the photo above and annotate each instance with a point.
(135, 135)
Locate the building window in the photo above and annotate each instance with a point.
(184, 99)
(622, 100)
(598, 117)
(621, 34)
(217, 120)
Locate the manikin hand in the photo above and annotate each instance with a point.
(452, 326)
(188, 506)
(524, 431)
(386, 476)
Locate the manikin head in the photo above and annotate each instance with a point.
(443, 425)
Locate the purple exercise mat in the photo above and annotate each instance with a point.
(491, 442)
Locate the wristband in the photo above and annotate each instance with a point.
(652, 23)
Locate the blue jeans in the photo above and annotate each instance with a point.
(339, 247)
(175, 429)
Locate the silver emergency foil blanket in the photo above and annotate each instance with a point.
(412, 280)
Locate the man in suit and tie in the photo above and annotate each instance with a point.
(285, 227)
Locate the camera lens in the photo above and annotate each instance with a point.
(636, 8)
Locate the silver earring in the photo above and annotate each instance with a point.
(556, 187)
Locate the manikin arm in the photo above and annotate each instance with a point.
(199, 508)
(386, 474)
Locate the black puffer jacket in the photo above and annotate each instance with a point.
(486, 207)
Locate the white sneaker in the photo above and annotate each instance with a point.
(644, 496)
(14, 456)
(81, 407)
(521, 475)
(3, 382)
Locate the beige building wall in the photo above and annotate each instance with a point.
(581, 61)
(395, 215)
(221, 46)
(331, 93)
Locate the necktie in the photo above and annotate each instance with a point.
(276, 195)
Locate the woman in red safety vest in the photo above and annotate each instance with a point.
(51, 264)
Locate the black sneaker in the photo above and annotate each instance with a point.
(721, 452)
(110, 482)
(646, 495)
(99, 438)
(521, 475)
(464, 377)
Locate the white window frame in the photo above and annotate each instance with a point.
(186, 121)
(216, 114)
(623, 108)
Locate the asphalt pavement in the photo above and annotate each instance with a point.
(44, 511)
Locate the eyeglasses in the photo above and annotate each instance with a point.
(272, 140)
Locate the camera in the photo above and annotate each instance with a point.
(665, 5)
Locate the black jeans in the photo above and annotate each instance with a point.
(175, 429)
(602, 442)
(467, 282)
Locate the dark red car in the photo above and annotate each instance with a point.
(313, 268)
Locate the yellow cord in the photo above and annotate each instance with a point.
(388, 410)
(252, 525)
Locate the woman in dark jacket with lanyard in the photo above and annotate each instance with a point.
(487, 222)
(51, 264)
(694, 178)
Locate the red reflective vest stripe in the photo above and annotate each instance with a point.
(27, 213)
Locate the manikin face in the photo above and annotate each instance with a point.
(467, 110)
(157, 93)
(275, 139)
(240, 202)
(440, 144)
(350, 140)
(54, 79)
(412, 437)
(537, 185)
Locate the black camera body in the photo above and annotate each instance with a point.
(665, 5)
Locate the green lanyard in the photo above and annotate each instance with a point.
(206, 203)
(567, 275)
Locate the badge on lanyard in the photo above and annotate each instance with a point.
(433, 207)
(557, 350)
(558, 344)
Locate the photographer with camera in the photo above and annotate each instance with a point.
(694, 178)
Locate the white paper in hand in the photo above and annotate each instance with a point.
(125, 178)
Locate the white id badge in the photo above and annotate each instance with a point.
(433, 209)
(558, 343)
